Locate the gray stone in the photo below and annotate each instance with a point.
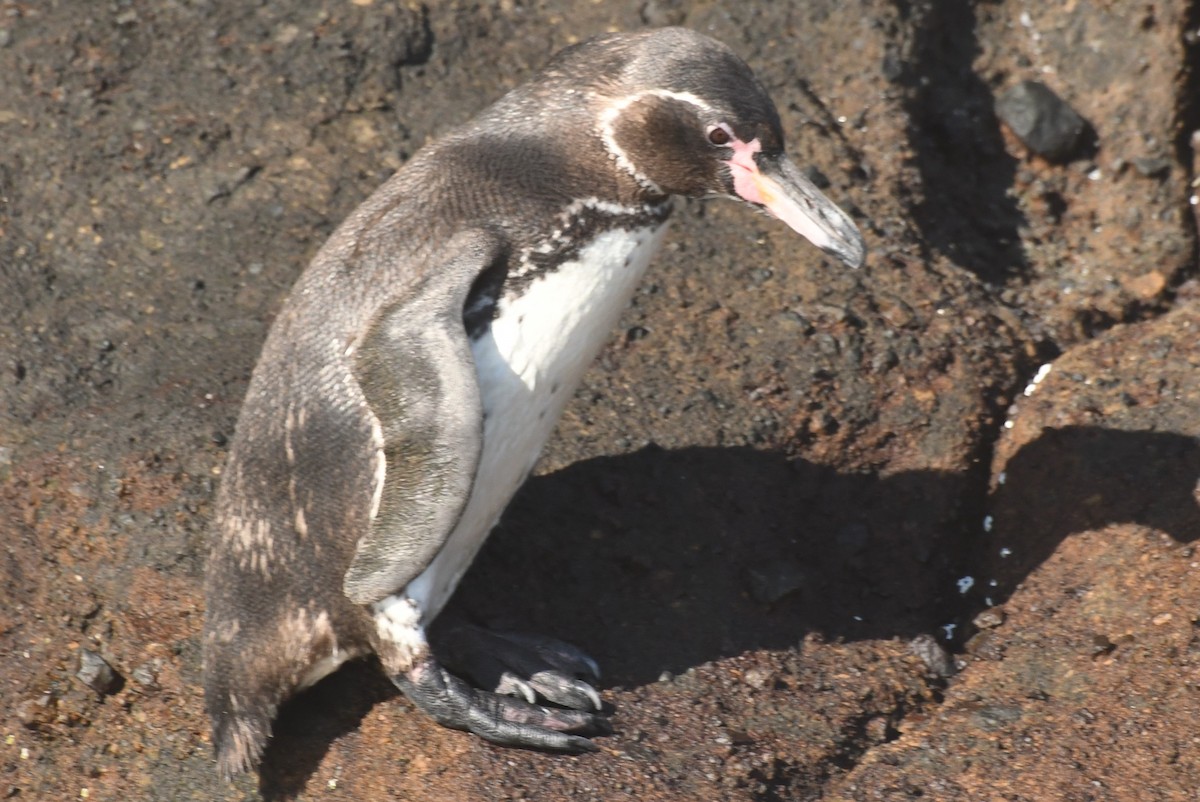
(1042, 120)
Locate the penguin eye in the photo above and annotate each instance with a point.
(719, 135)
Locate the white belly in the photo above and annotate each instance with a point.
(529, 365)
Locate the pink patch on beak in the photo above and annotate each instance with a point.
(745, 171)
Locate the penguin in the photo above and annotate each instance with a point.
(421, 361)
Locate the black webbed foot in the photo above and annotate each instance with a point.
(495, 717)
(523, 665)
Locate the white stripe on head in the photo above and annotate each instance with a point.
(608, 118)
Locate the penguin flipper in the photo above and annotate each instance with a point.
(417, 374)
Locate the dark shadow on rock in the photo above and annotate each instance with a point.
(966, 212)
(308, 723)
(663, 560)
(1079, 478)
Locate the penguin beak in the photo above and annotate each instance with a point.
(777, 185)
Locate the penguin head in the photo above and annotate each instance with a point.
(685, 116)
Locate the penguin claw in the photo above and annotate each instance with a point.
(500, 719)
(512, 685)
(553, 686)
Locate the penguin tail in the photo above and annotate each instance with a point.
(240, 709)
(239, 733)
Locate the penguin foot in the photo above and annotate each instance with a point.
(496, 717)
(518, 664)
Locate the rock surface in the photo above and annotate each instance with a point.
(1089, 685)
(772, 483)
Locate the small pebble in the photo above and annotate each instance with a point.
(1152, 167)
(1042, 120)
(989, 618)
(145, 676)
(936, 659)
(985, 646)
(38, 712)
(757, 678)
(1101, 645)
(96, 673)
